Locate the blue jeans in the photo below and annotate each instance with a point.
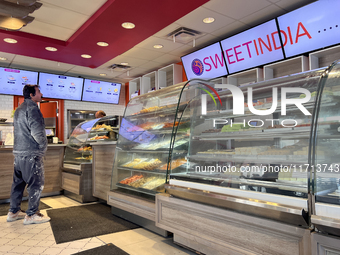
(27, 170)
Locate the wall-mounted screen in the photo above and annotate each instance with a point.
(206, 63)
(101, 91)
(311, 27)
(254, 47)
(60, 86)
(12, 81)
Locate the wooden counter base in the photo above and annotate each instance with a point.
(52, 164)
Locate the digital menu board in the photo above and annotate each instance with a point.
(60, 86)
(206, 63)
(12, 81)
(311, 27)
(101, 91)
(253, 47)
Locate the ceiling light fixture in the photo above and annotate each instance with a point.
(158, 46)
(128, 25)
(86, 56)
(103, 44)
(10, 40)
(51, 49)
(2, 58)
(124, 63)
(102, 74)
(208, 20)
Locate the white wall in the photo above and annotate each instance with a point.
(109, 109)
(6, 107)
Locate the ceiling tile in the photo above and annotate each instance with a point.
(194, 20)
(185, 49)
(204, 41)
(9, 57)
(230, 29)
(36, 63)
(87, 7)
(58, 16)
(134, 62)
(169, 45)
(48, 30)
(143, 53)
(263, 15)
(290, 5)
(167, 59)
(236, 9)
(167, 30)
(151, 65)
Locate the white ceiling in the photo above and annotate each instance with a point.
(61, 19)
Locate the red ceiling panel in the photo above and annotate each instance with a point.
(149, 16)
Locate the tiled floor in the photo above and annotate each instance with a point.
(16, 238)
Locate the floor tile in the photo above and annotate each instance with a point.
(45, 243)
(5, 240)
(30, 242)
(128, 237)
(21, 249)
(16, 242)
(53, 251)
(36, 250)
(6, 248)
(69, 251)
(76, 245)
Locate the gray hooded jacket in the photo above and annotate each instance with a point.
(29, 130)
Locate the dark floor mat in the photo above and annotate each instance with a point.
(84, 221)
(107, 249)
(24, 205)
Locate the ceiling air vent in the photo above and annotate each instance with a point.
(183, 35)
(118, 66)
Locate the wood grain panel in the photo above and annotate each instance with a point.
(103, 157)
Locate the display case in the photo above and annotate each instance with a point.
(79, 148)
(75, 117)
(261, 146)
(141, 157)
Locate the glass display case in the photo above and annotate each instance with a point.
(78, 149)
(142, 150)
(75, 117)
(268, 142)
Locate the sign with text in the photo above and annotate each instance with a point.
(60, 86)
(254, 47)
(311, 27)
(206, 63)
(12, 81)
(101, 92)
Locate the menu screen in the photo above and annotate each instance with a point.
(101, 92)
(311, 27)
(61, 87)
(206, 63)
(256, 46)
(12, 81)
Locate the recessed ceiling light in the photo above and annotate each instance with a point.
(124, 63)
(10, 40)
(2, 58)
(128, 25)
(86, 56)
(51, 49)
(102, 74)
(208, 20)
(158, 46)
(103, 44)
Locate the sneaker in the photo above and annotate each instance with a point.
(36, 219)
(15, 216)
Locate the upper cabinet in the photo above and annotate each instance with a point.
(169, 75)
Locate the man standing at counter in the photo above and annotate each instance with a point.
(30, 145)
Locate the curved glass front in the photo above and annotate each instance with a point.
(256, 140)
(327, 153)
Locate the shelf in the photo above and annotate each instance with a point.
(155, 171)
(260, 159)
(291, 186)
(146, 191)
(6, 123)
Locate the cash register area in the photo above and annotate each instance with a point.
(16, 238)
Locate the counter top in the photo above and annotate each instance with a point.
(10, 147)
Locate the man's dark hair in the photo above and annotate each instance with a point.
(29, 89)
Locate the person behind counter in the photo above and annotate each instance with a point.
(100, 114)
(30, 145)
